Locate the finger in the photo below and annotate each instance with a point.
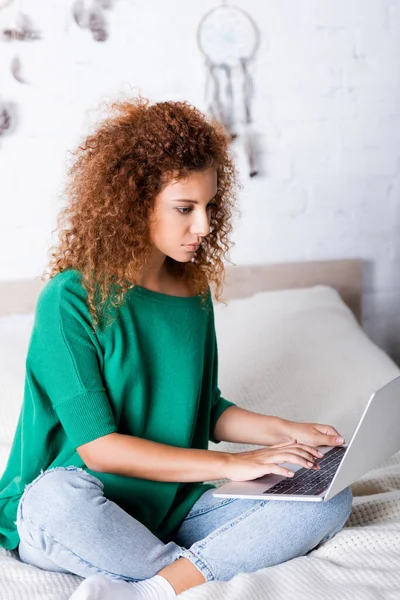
(306, 460)
(277, 470)
(314, 451)
(330, 437)
(326, 429)
(293, 459)
(329, 440)
(304, 453)
(292, 450)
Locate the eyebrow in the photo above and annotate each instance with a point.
(191, 201)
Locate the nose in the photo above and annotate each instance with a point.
(201, 224)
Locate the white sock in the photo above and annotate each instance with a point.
(99, 587)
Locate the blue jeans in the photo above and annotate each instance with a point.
(67, 525)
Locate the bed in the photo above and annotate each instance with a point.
(291, 344)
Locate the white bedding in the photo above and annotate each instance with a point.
(301, 355)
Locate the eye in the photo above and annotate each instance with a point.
(185, 210)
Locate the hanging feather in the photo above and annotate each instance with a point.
(83, 11)
(25, 26)
(229, 106)
(212, 83)
(22, 32)
(5, 118)
(250, 148)
(6, 35)
(248, 133)
(220, 99)
(105, 4)
(80, 13)
(216, 106)
(97, 24)
(16, 69)
(88, 14)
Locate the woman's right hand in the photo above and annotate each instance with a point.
(245, 466)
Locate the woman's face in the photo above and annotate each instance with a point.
(181, 215)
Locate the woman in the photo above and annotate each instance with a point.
(105, 476)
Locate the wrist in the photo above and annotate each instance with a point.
(282, 430)
(225, 464)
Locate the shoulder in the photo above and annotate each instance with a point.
(63, 290)
(61, 316)
(66, 280)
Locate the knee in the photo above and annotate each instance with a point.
(341, 504)
(339, 507)
(54, 493)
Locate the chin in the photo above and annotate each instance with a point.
(180, 259)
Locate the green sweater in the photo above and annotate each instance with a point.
(152, 374)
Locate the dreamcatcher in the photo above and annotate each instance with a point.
(229, 38)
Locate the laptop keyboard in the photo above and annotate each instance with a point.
(308, 482)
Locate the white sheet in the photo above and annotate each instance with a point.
(301, 355)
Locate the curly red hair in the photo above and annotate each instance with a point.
(115, 176)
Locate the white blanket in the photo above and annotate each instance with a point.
(301, 355)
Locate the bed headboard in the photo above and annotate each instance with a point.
(345, 276)
(19, 297)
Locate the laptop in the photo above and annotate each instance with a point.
(376, 438)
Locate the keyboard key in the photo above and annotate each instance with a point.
(308, 482)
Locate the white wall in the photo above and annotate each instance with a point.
(327, 109)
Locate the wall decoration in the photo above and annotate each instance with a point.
(21, 30)
(6, 118)
(89, 14)
(229, 38)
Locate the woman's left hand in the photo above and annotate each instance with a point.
(313, 434)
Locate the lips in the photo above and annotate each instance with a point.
(192, 246)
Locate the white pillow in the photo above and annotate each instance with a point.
(15, 333)
(298, 354)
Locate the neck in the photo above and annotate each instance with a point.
(154, 275)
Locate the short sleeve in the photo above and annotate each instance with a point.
(219, 404)
(64, 361)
